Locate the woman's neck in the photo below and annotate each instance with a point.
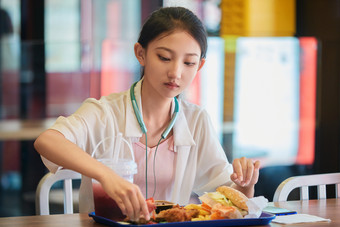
(156, 115)
(154, 106)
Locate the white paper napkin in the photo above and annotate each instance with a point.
(298, 218)
(255, 206)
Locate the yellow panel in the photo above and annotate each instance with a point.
(261, 16)
(286, 17)
(258, 17)
(229, 77)
(233, 17)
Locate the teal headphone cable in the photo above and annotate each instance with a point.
(144, 131)
(154, 167)
(146, 166)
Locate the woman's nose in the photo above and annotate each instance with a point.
(175, 70)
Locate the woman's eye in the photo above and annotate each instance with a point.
(163, 58)
(190, 63)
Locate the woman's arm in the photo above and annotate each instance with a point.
(52, 145)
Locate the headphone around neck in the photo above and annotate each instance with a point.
(140, 118)
(144, 130)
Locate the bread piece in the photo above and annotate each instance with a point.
(236, 197)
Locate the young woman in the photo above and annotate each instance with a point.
(171, 50)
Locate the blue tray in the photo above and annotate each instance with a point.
(264, 219)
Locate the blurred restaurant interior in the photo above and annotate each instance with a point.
(270, 84)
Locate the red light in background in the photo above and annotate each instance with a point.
(308, 66)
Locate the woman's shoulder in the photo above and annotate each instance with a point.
(92, 106)
(107, 99)
(193, 112)
(191, 108)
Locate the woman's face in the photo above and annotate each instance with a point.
(170, 63)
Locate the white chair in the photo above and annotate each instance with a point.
(306, 181)
(44, 187)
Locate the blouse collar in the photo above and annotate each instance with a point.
(182, 134)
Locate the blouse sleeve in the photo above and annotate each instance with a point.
(213, 168)
(80, 128)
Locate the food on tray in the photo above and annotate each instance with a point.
(176, 214)
(150, 202)
(163, 205)
(236, 197)
(224, 203)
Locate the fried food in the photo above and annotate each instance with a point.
(224, 203)
(177, 214)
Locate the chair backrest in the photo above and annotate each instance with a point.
(306, 181)
(44, 187)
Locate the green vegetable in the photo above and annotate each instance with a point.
(218, 197)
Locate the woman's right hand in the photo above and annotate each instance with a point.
(127, 195)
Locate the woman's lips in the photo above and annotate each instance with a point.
(172, 85)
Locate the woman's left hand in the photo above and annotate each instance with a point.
(246, 172)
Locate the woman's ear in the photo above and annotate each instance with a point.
(140, 53)
(202, 61)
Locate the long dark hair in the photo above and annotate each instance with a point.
(168, 19)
